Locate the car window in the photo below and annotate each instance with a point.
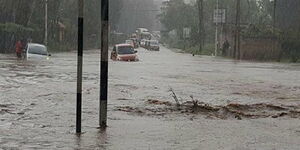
(129, 41)
(39, 50)
(125, 50)
(154, 42)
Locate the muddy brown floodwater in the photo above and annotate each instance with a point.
(224, 104)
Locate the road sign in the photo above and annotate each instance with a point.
(219, 16)
(186, 33)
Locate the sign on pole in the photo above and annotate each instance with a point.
(186, 33)
(219, 16)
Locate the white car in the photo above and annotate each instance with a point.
(152, 45)
(143, 42)
(36, 51)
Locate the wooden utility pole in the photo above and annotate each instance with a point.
(236, 52)
(239, 30)
(104, 63)
(274, 27)
(274, 15)
(46, 23)
(201, 24)
(217, 32)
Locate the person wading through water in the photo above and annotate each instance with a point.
(225, 47)
(19, 48)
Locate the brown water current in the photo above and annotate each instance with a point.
(223, 104)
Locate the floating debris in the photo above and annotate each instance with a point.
(230, 111)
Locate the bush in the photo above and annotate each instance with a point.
(10, 33)
(14, 28)
(260, 31)
(292, 49)
(60, 47)
(208, 49)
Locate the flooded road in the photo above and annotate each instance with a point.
(37, 103)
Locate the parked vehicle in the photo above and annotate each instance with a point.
(147, 44)
(135, 42)
(124, 52)
(143, 33)
(129, 42)
(152, 45)
(146, 35)
(143, 43)
(140, 30)
(36, 51)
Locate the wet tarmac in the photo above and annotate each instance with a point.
(224, 104)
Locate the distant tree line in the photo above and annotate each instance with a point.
(277, 21)
(136, 14)
(25, 19)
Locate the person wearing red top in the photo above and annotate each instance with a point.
(19, 49)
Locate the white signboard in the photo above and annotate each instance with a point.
(219, 16)
(186, 33)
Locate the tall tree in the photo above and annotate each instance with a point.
(115, 11)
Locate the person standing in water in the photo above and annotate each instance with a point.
(19, 49)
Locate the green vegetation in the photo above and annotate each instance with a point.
(260, 20)
(208, 49)
(260, 31)
(25, 19)
(291, 47)
(14, 28)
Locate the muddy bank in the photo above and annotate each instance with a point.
(230, 111)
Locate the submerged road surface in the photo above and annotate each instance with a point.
(237, 104)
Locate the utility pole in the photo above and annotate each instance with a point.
(274, 15)
(274, 27)
(239, 30)
(236, 52)
(104, 63)
(79, 66)
(216, 38)
(200, 25)
(46, 23)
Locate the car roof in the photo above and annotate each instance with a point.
(146, 33)
(35, 44)
(121, 45)
(142, 29)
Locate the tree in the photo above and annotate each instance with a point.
(115, 11)
(135, 14)
(177, 20)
